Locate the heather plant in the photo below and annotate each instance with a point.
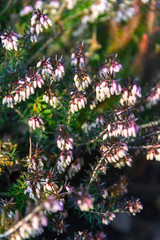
(76, 117)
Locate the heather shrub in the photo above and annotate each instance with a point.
(75, 113)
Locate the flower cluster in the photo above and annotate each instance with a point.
(123, 126)
(49, 186)
(125, 12)
(51, 98)
(65, 144)
(153, 153)
(46, 67)
(24, 88)
(82, 80)
(34, 187)
(84, 201)
(154, 97)
(74, 167)
(133, 206)
(108, 217)
(34, 222)
(32, 227)
(64, 160)
(40, 183)
(98, 8)
(107, 88)
(38, 21)
(78, 56)
(113, 153)
(130, 95)
(77, 102)
(111, 66)
(10, 40)
(9, 101)
(35, 122)
(53, 205)
(51, 68)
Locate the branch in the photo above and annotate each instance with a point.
(101, 133)
(21, 115)
(95, 170)
(144, 147)
(6, 7)
(150, 124)
(45, 45)
(40, 50)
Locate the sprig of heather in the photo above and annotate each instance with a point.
(51, 68)
(38, 21)
(79, 61)
(10, 40)
(113, 153)
(33, 223)
(24, 88)
(35, 122)
(65, 144)
(131, 93)
(78, 101)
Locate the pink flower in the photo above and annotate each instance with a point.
(10, 40)
(35, 122)
(53, 205)
(77, 102)
(85, 202)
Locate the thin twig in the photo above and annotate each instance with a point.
(6, 7)
(21, 115)
(40, 50)
(144, 147)
(95, 170)
(150, 124)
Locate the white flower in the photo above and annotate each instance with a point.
(10, 40)
(35, 122)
